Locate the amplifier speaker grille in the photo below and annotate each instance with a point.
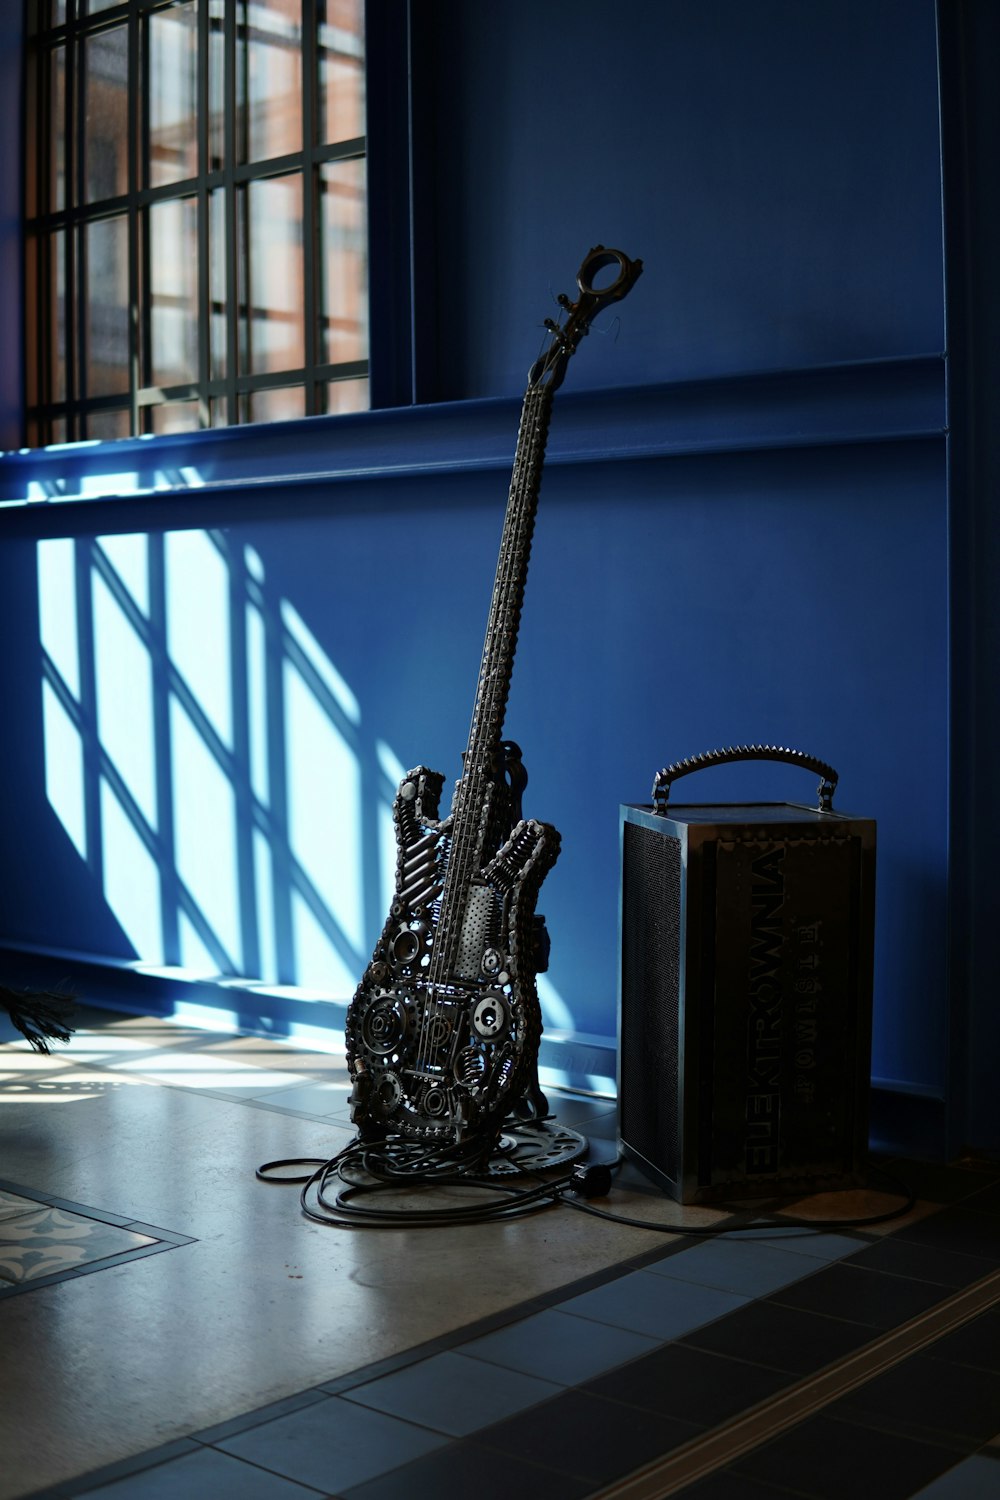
(651, 952)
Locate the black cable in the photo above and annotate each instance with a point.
(366, 1169)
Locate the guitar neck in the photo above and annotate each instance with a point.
(471, 810)
(486, 730)
(482, 754)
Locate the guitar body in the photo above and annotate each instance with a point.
(442, 1059)
(442, 1034)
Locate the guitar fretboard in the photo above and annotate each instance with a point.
(470, 811)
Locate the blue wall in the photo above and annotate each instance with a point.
(722, 554)
(776, 164)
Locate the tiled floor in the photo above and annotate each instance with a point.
(268, 1358)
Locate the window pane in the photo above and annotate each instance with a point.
(176, 416)
(106, 129)
(269, 78)
(216, 85)
(106, 245)
(274, 331)
(344, 305)
(107, 425)
(218, 319)
(56, 265)
(341, 70)
(122, 309)
(57, 128)
(173, 82)
(278, 405)
(173, 272)
(347, 395)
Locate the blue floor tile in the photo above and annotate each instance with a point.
(462, 1470)
(975, 1478)
(653, 1305)
(201, 1476)
(332, 1445)
(557, 1346)
(453, 1394)
(752, 1270)
(813, 1242)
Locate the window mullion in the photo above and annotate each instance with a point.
(204, 227)
(310, 236)
(139, 283)
(75, 321)
(233, 284)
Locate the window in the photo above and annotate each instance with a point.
(196, 216)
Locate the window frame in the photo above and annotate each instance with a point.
(237, 386)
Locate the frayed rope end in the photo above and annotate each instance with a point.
(40, 1016)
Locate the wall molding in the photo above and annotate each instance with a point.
(874, 401)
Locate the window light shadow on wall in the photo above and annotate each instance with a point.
(205, 757)
(214, 769)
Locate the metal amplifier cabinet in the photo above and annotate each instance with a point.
(744, 1017)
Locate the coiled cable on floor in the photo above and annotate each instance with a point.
(348, 1190)
(343, 1190)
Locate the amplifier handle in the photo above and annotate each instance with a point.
(664, 779)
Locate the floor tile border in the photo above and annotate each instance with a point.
(166, 1239)
(123, 1468)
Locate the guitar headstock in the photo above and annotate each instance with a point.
(550, 367)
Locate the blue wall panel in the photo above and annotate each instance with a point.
(776, 164)
(672, 607)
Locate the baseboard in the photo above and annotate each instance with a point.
(906, 1119)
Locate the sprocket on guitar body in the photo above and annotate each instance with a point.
(443, 1060)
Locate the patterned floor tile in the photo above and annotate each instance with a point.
(52, 1240)
(12, 1206)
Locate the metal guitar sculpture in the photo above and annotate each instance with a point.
(442, 1034)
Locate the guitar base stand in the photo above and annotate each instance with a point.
(537, 1147)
